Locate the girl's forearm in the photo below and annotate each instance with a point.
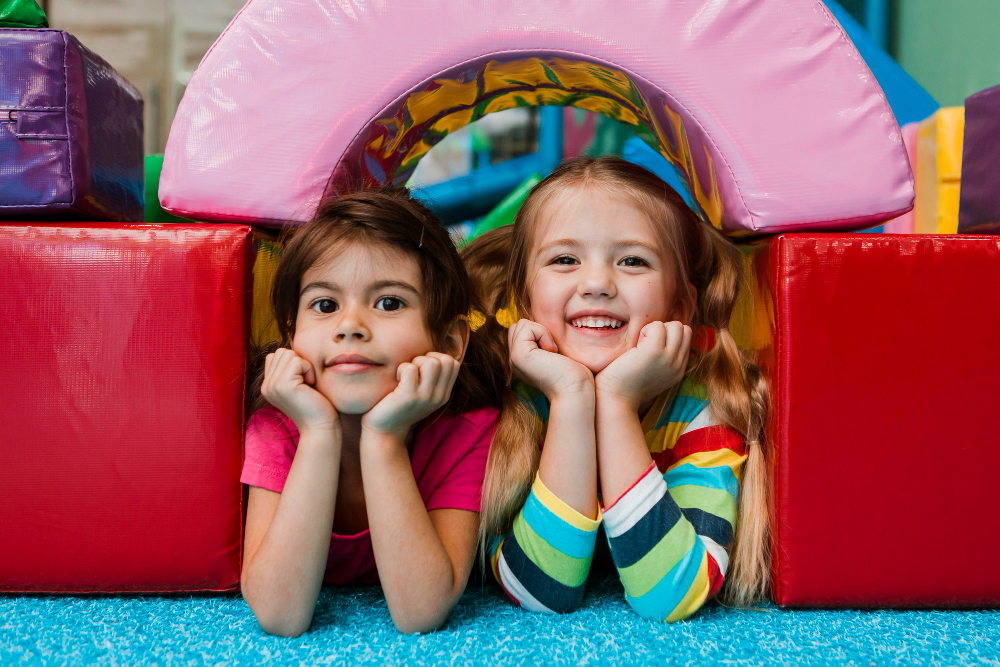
(420, 581)
(568, 465)
(622, 454)
(283, 576)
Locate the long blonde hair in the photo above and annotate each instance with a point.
(737, 390)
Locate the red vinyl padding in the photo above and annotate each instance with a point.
(884, 363)
(121, 383)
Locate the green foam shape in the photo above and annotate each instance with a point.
(22, 14)
(504, 212)
(155, 212)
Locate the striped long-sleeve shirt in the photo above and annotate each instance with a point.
(669, 533)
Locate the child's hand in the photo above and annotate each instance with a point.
(655, 364)
(537, 361)
(287, 386)
(425, 385)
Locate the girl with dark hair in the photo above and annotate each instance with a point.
(367, 449)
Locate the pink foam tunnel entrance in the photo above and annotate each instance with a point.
(766, 106)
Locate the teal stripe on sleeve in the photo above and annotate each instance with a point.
(684, 409)
(664, 597)
(716, 477)
(562, 536)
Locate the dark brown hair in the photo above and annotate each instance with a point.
(392, 219)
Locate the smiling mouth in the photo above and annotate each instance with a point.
(599, 323)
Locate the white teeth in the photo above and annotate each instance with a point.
(597, 323)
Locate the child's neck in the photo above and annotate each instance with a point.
(350, 433)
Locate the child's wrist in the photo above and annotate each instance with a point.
(581, 395)
(328, 434)
(381, 438)
(608, 399)
(385, 432)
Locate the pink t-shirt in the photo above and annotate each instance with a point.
(448, 459)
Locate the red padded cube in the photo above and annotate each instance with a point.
(122, 391)
(883, 360)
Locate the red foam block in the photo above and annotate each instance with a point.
(122, 390)
(884, 367)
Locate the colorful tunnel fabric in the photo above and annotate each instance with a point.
(669, 533)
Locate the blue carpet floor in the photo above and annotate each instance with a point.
(352, 626)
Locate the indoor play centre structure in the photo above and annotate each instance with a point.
(126, 342)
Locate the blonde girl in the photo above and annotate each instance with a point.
(608, 276)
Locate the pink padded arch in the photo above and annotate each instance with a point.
(765, 104)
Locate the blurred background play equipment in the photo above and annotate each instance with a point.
(70, 127)
(979, 210)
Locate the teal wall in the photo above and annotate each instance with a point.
(951, 47)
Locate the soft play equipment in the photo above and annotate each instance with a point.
(474, 194)
(767, 108)
(124, 355)
(504, 212)
(979, 207)
(153, 211)
(939, 172)
(909, 101)
(22, 14)
(71, 139)
(904, 223)
(882, 361)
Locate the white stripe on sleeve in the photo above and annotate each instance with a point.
(517, 590)
(636, 502)
(720, 555)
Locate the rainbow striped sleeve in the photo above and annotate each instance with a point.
(543, 561)
(670, 532)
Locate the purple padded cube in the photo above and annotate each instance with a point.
(71, 144)
(979, 210)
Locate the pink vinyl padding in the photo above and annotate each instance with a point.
(768, 104)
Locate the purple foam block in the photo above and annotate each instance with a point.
(979, 210)
(71, 144)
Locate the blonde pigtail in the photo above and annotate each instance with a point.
(738, 396)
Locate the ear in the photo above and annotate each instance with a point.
(686, 305)
(456, 338)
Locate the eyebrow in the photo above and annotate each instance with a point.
(631, 243)
(618, 245)
(384, 284)
(380, 285)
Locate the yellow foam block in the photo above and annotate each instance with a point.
(263, 326)
(939, 171)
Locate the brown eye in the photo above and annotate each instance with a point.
(324, 306)
(389, 303)
(633, 261)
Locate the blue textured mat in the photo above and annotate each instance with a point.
(353, 626)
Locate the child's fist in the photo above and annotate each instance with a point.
(537, 361)
(425, 385)
(287, 385)
(656, 363)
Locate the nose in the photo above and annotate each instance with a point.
(351, 326)
(597, 280)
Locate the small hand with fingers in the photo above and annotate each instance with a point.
(288, 385)
(657, 362)
(536, 360)
(425, 385)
